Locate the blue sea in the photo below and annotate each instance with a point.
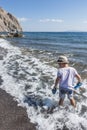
(28, 68)
(53, 44)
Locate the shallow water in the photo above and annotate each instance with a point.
(28, 74)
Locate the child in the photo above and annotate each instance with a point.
(65, 78)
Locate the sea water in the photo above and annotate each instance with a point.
(28, 68)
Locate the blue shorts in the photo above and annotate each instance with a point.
(64, 91)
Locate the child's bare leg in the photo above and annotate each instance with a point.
(73, 103)
(61, 102)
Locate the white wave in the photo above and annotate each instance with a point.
(26, 75)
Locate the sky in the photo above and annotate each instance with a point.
(48, 15)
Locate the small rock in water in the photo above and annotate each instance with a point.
(83, 109)
(82, 90)
(1, 80)
(65, 127)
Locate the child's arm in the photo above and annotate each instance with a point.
(55, 85)
(56, 82)
(79, 83)
(78, 78)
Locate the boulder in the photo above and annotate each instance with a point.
(8, 22)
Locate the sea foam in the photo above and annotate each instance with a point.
(29, 80)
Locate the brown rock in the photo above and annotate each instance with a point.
(8, 22)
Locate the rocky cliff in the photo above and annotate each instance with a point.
(8, 22)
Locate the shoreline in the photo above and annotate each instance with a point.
(13, 117)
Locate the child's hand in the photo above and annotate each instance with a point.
(54, 90)
(78, 85)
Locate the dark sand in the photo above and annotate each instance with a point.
(13, 117)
